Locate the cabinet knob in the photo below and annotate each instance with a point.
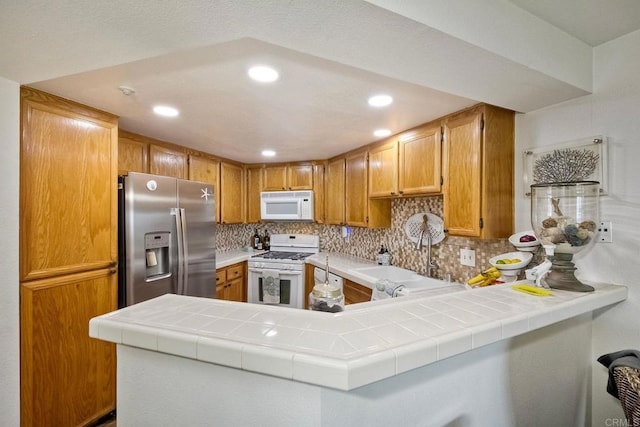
(401, 192)
(393, 193)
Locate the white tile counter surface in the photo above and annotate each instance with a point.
(367, 343)
(224, 259)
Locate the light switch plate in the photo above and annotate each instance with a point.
(605, 233)
(468, 257)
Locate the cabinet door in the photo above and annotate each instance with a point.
(68, 188)
(254, 187)
(318, 193)
(356, 208)
(231, 193)
(275, 178)
(300, 177)
(235, 290)
(163, 161)
(462, 174)
(335, 192)
(355, 293)
(68, 378)
(206, 170)
(383, 170)
(133, 156)
(420, 161)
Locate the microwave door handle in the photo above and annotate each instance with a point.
(176, 212)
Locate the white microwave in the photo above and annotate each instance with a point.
(286, 205)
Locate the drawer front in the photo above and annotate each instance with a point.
(221, 276)
(235, 271)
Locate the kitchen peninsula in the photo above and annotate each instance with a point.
(490, 356)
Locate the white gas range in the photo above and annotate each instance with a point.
(277, 277)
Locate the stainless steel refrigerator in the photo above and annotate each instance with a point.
(166, 231)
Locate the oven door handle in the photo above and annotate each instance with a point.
(288, 272)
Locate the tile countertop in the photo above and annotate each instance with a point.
(345, 350)
(225, 259)
(343, 265)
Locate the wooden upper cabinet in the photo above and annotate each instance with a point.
(232, 195)
(207, 170)
(254, 186)
(360, 210)
(420, 159)
(383, 170)
(478, 155)
(275, 178)
(133, 155)
(335, 192)
(68, 187)
(300, 177)
(318, 193)
(356, 189)
(288, 177)
(167, 162)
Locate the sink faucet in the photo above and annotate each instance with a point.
(424, 233)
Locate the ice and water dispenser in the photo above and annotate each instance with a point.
(156, 247)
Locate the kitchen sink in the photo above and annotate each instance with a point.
(389, 272)
(412, 281)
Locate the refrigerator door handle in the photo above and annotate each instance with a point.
(185, 253)
(179, 238)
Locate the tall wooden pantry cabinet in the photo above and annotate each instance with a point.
(68, 259)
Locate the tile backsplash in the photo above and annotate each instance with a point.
(365, 243)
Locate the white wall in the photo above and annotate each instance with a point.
(9, 179)
(612, 110)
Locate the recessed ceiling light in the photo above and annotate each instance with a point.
(268, 153)
(165, 110)
(380, 133)
(380, 100)
(263, 73)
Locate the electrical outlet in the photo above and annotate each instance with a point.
(468, 257)
(605, 233)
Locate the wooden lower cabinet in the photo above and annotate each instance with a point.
(231, 284)
(355, 293)
(68, 379)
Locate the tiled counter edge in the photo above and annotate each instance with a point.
(363, 346)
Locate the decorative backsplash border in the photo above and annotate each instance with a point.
(365, 243)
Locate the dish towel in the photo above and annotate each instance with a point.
(385, 288)
(630, 358)
(270, 287)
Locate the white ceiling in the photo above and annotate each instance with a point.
(432, 58)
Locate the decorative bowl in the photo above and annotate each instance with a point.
(511, 269)
(532, 246)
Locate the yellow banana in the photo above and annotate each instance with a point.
(485, 278)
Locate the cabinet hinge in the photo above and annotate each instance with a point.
(441, 134)
(481, 223)
(441, 180)
(482, 124)
(366, 220)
